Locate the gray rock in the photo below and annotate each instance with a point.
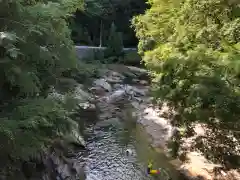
(75, 137)
(140, 92)
(137, 70)
(64, 172)
(118, 86)
(136, 80)
(103, 83)
(82, 95)
(116, 74)
(143, 82)
(116, 96)
(130, 75)
(98, 91)
(114, 77)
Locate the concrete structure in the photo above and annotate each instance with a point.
(89, 52)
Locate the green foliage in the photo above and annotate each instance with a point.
(131, 58)
(115, 44)
(94, 23)
(84, 72)
(31, 125)
(192, 48)
(35, 50)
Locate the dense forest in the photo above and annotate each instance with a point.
(92, 26)
(37, 51)
(36, 48)
(191, 48)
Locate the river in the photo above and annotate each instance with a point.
(106, 159)
(111, 129)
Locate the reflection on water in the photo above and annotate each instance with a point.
(107, 160)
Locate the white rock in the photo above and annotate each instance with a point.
(129, 152)
(87, 106)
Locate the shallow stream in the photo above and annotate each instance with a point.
(107, 142)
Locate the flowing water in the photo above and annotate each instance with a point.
(107, 159)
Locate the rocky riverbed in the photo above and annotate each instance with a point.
(122, 93)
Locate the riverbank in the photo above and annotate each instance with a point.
(122, 93)
(157, 125)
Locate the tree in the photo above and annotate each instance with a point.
(35, 49)
(99, 15)
(192, 48)
(115, 45)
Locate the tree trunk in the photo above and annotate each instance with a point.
(101, 30)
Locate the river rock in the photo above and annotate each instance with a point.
(103, 83)
(118, 86)
(98, 91)
(82, 95)
(116, 96)
(87, 106)
(114, 77)
(80, 170)
(116, 74)
(75, 137)
(131, 90)
(56, 168)
(64, 171)
(113, 80)
(140, 91)
(136, 81)
(130, 75)
(143, 82)
(137, 70)
(107, 122)
(135, 105)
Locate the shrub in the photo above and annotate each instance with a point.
(115, 44)
(35, 50)
(131, 58)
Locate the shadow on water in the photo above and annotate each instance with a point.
(147, 153)
(107, 160)
(133, 133)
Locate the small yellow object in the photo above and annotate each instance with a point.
(154, 171)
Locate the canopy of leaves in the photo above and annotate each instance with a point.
(115, 45)
(192, 48)
(35, 49)
(98, 16)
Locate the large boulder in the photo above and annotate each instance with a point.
(75, 138)
(81, 94)
(118, 95)
(139, 72)
(98, 91)
(103, 84)
(114, 77)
